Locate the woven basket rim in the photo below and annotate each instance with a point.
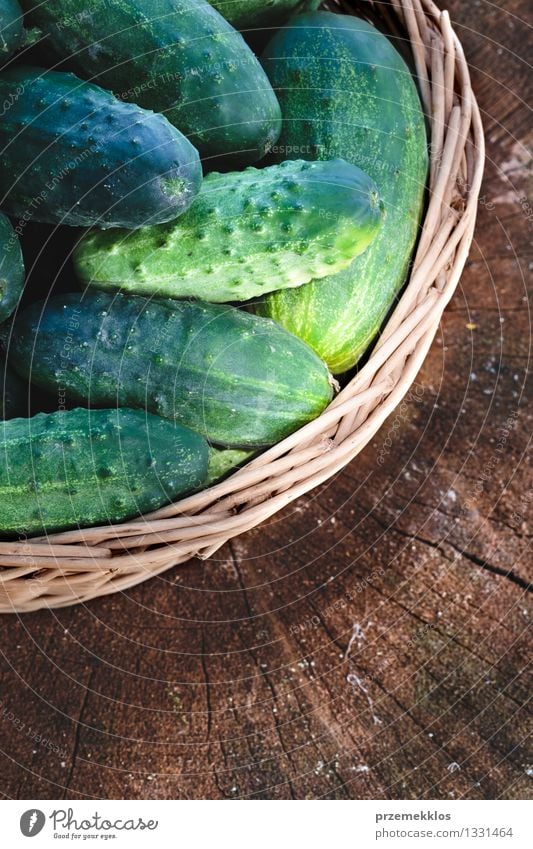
(78, 565)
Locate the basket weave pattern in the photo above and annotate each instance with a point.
(79, 565)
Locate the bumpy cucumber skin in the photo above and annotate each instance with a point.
(71, 153)
(261, 13)
(345, 91)
(86, 467)
(11, 28)
(247, 233)
(177, 57)
(239, 380)
(11, 269)
(13, 392)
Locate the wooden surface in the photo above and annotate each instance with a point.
(370, 642)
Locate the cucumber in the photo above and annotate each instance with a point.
(345, 91)
(11, 269)
(247, 233)
(71, 153)
(13, 392)
(87, 467)
(239, 380)
(261, 13)
(178, 57)
(11, 28)
(223, 461)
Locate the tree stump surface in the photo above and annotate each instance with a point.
(371, 640)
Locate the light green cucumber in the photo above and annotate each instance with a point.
(222, 461)
(247, 233)
(345, 91)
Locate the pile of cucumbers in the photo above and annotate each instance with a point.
(193, 240)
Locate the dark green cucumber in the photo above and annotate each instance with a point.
(11, 28)
(13, 392)
(247, 233)
(261, 13)
(11, 269)
(178, 57)
(71, 153)
(239, 380)
(345, 91)
(88, 467)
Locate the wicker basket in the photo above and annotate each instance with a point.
(79, 565)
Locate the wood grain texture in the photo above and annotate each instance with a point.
(370, 641)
